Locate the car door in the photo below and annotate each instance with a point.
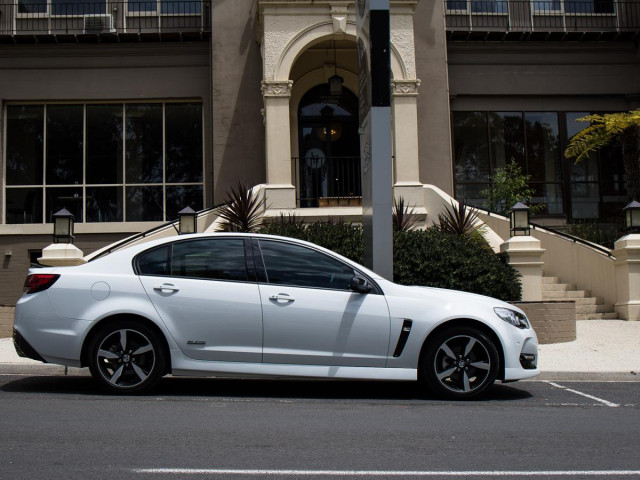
(311, 317)
(204, 293)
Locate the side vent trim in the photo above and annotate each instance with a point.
(404, 335)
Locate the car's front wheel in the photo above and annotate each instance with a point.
(460, 362)
(126, 357)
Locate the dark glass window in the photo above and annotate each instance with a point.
(25, 140)
(104, 204)
(179, 197)
(154, 262)
(589, 6)
(489, 6)
(58, 198)
(77, 7)
(64, 144)
(288, 264)
(144, 143)
(144, 204)
(215, 259)
(507, 138)
(181, 7)
(24, 205)
(32, 6)
(471, 147)
(104, 144)
(184, 143)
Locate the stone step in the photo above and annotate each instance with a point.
(550, 280)
(589, 301)
(555, 287)
(597, 316)
(585, 309)
(565, 295)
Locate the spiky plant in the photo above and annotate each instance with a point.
(404, 217)
(242, 212)
(458, 219)
(604, 130)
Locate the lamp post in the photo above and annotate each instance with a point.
(519, 220)
(632, 217)
(63, 221)
(187, 221)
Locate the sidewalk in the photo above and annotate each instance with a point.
(605, 349)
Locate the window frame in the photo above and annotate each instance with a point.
(123, 185)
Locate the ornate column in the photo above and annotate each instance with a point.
(405, 142)
(280, 192)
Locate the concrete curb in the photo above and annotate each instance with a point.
(57, 370)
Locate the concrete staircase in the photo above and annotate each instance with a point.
(587, 307)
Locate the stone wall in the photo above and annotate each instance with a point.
(554, 322)
(6, 321)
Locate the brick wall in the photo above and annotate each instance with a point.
(554, 322)
(6, 321)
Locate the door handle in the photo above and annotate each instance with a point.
(281, 296)
(166, 287)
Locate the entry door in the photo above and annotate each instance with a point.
(311, 317)
(201, 291)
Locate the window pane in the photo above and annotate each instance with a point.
(144, 143)
(104, 204)
(471, 194)
(471, 146)
(589, 6)
(180, 197)
(288, 264)
(24, 205)
(585, 200)
(181, 7)
(32, 6)
(59, 198)
(543, 147)
(104, 144)
(78, 7)
(549, 195)
(219, 259)
(489, 6)
(507, 138)
(154, 262)
(142, 6)
(144, 204)
(64, 144)
(184, 143)
(25, 133)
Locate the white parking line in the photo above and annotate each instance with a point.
(605, 402)
(389, 473)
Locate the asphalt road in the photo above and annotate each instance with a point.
(62, 427)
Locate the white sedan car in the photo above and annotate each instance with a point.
(258, 305)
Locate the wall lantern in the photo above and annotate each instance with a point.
(519, 220)
(632, 217)
(187, 221)
(63, 221)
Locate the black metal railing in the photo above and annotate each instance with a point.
(42, 17)
(542, 15)
(327, 181)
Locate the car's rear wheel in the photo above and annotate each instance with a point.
(460, 362)
(126, 357)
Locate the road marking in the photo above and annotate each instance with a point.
(388, 473)
(605, 402)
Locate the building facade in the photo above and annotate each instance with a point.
(125, 112)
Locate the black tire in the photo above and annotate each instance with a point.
(460, 363)
(126, 357)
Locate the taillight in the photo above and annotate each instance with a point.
(38, 282)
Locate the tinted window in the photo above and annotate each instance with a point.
(154, 262)
(220, 259)
(303, 267)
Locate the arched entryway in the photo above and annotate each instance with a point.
(328, 166)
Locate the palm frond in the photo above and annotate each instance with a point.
(242, 212)
(459, 220)
(404, 217)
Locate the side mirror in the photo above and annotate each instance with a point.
(360, 285)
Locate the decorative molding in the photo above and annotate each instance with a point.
(405, 88)
(271, 88)
(339, 19)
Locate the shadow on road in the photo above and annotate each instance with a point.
(261, 388)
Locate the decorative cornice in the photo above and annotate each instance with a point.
(405, 88)
(275, 88)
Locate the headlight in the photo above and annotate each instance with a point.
(516, 319)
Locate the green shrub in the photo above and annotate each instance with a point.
(421, 257)
(439, 259)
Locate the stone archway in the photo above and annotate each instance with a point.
(287, 33)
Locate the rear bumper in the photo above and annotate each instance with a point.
(24, 349)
